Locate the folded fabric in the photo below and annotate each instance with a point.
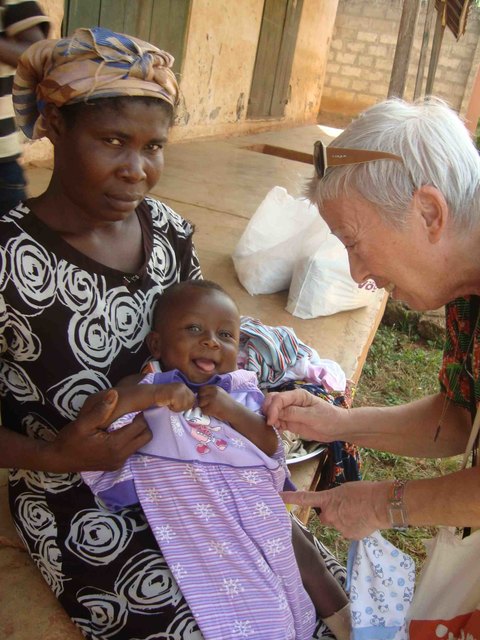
(380, 581)
(276, 354)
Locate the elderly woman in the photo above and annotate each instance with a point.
(81, 267)
(401, 190)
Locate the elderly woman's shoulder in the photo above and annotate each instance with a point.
(163, 216)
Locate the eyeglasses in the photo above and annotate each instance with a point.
(325, 157)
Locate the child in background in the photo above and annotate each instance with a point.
(208, 483)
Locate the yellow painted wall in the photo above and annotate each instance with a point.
(217, 66)
(310, 61)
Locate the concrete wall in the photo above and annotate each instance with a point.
(362, 50)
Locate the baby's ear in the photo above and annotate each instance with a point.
(153, 344)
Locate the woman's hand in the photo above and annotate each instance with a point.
(301, 412)
(355, 509)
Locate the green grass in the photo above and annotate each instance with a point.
(400, 367)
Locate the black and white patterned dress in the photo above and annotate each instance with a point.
(69, 327)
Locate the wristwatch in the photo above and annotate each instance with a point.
(396, 507)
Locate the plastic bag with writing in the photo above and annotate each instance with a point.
(321, 282)
(265, 255)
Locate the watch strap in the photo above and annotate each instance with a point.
(396, 506)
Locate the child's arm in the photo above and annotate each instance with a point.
(215, 401)
(174, 395)
(135, 378)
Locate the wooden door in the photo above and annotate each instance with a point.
(161, 22)
(270, 88)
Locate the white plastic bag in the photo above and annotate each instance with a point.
(321, 282)
(265, 255)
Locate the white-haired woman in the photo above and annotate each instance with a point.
(400, 189)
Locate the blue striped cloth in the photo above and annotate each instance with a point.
(270, 351)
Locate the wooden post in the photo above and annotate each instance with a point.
(472, 115)
(423, 50)
(406, 33)
(435, 54)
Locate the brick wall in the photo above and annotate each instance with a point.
(361, 56)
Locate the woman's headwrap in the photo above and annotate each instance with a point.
(92, 63)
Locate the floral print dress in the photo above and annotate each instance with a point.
(460, 372)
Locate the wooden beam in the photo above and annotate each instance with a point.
(423, 51)
(472, 115)
(403, 49)
(435, 54)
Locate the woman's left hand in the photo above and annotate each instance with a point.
(355, 509)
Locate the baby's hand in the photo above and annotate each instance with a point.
(215, 401)
(176, 396)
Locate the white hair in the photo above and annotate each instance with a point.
(436, 149)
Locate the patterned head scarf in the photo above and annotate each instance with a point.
(92, 63)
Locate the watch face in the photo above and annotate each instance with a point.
(398, 517)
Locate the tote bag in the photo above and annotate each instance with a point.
(446, 603)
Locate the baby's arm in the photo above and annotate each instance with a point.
(215, 401)
(175, 395)
(135, 378)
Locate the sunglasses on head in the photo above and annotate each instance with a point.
(325, 157)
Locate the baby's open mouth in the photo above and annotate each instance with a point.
(205, 364)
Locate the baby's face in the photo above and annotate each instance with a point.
(200, 335)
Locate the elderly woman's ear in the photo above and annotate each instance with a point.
(431, 205)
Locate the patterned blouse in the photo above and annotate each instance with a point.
(458, 376)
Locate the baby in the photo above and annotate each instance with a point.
(209, 479)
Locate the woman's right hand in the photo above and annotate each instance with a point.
(303, 413)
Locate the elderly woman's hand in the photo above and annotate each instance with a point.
(355, 509)
(86, 445)
(301, 412)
